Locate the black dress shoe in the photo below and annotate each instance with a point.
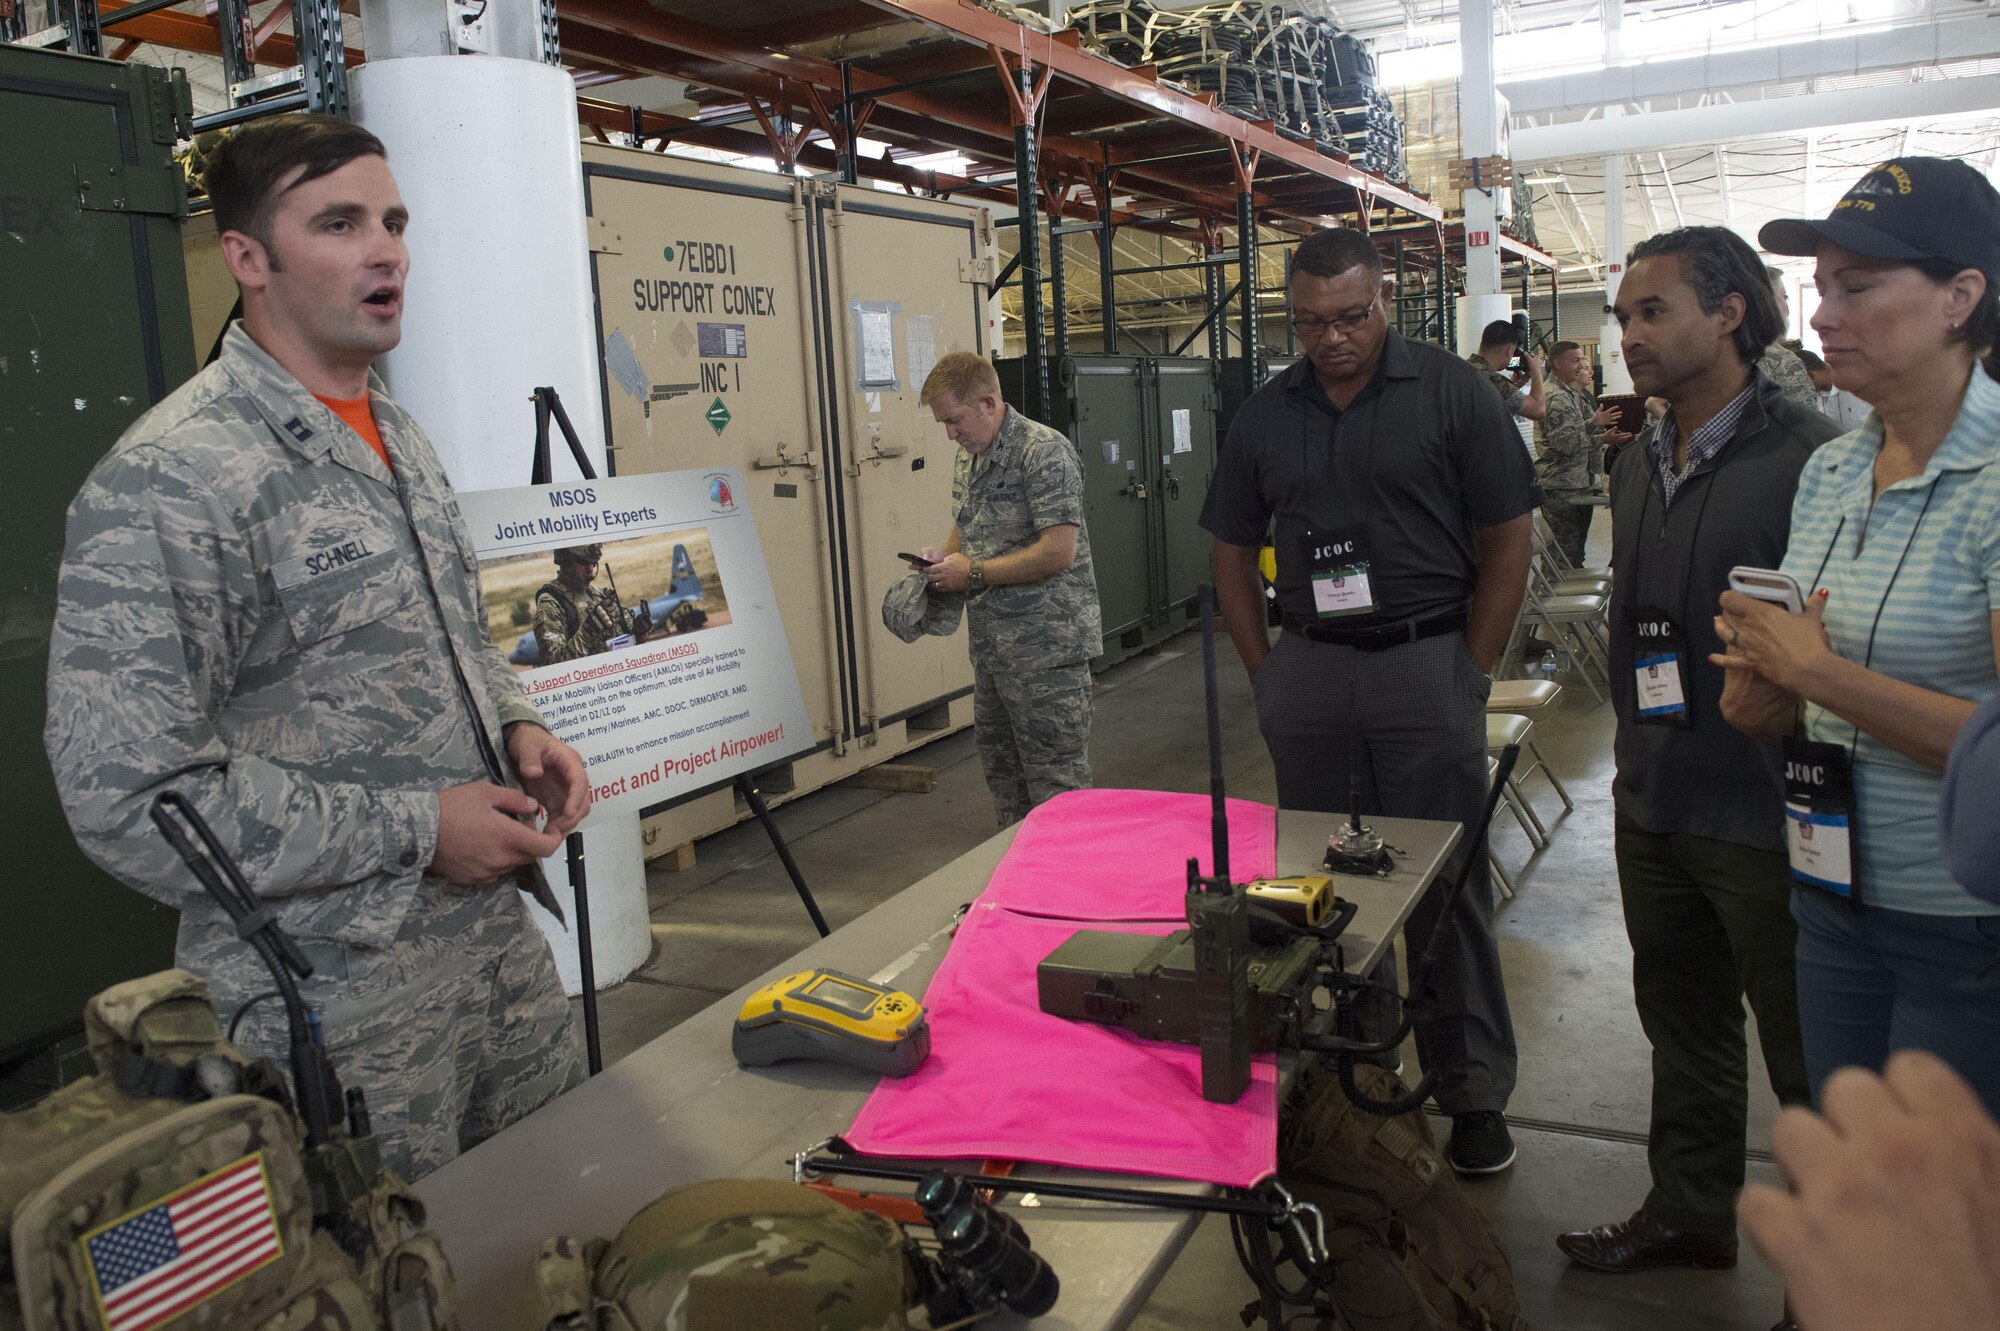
(1642, 1242)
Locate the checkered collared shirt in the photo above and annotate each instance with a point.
(1703, 444)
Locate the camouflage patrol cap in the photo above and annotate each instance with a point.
(579, 554)
(733, 1253)
(912, 609)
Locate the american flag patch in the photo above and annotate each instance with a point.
(184, 1249)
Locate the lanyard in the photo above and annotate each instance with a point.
(1868, 655)
(1666, 514)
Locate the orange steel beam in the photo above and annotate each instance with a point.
(267, 27)
(637, 56)
(733, 61)
(185, 32)
(1060, 52)
(1523, 250)
(599, 114)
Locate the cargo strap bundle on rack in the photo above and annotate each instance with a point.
(1260, 61)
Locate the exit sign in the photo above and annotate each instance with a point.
(1478, 239)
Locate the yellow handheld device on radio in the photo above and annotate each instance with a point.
(1303, 899)
(841, 1018)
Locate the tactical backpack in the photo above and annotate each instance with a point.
(1407, 1251)
(171, 1187)
(727, 1255)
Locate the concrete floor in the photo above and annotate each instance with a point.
(1579, 1115)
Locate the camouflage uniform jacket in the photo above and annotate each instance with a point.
(1511, 393)
(1782, 366)
(1566, 443)
(1029, 479)
(254, 611)
(564, 630)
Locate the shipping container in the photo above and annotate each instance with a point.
(784, 327)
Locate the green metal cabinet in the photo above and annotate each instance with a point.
(1183, 397)
(1144, 428)
(1105, 417)
(94, 330)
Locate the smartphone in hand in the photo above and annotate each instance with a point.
(918, 560)
(1768, 584)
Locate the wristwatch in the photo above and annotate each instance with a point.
(976, 575)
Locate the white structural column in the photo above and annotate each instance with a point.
(487, 156)
(1480, 119)
(1617, 379)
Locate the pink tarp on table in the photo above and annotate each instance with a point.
(1007, 1081)
(1122, 854)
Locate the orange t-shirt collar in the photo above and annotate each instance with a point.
(359, 413)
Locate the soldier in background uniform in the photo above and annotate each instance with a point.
(1522, 390)
(1779, 363)
(573, 618)
(1018, 545)
(269, 603)
(1569, 441)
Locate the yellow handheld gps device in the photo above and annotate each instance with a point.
(1303, 899)
(825, 1014)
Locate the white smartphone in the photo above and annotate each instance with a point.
(1767, 584)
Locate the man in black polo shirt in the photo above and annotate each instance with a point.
(1401, 498)
(1698, 804)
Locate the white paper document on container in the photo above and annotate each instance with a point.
(704, 690)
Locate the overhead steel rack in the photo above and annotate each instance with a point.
(1055, 130)
(1060, 129)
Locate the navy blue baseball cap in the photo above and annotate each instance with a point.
(1907, 209)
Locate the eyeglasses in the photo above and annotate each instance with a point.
(1346, 324)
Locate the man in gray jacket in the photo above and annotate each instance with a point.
(1698, 804)
(269, 603)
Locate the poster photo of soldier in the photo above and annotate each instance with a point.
(580, 600)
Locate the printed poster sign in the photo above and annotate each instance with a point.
(640, 616)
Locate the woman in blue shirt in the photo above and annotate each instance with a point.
(1896, 544)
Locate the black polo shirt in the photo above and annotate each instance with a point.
(1424, 456)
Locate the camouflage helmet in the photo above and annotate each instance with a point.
(733, 1253)
(912, 609)
(578, 554)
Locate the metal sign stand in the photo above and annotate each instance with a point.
(548, 404)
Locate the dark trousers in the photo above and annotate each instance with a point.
(1411, 721)
(1710, 923)
(1872, 981)
(1570, 523)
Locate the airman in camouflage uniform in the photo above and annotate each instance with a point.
(1525, 391)
(1779, 363)
(260, 611)
(574, 619)
(1568, 446)
(1019, 545)
(1782, 366)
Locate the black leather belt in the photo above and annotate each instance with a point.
(1377, 637)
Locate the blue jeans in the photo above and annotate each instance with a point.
(1872, 981)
